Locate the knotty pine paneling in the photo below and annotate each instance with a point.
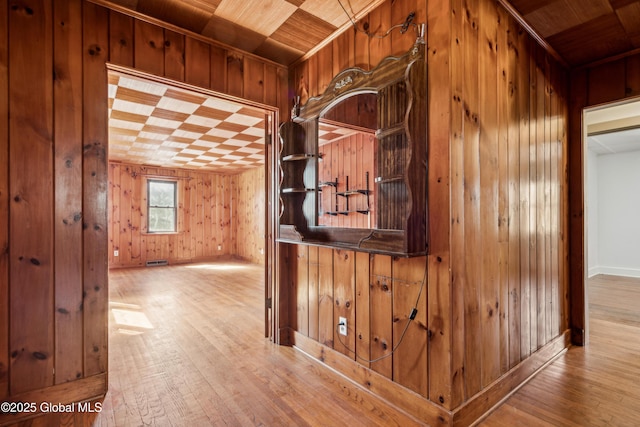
(358, 151)
(68, 189)
(31, 204)
(498, 202)
(206, 229)
(4, 203)
(95, 38)
(54, 231)
(249, 215)
(507, 200)
(589, 88)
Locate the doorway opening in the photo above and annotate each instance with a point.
(211, 153)
(611, 155)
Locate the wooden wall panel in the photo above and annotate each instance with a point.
(149, 48)
(204, 217)
(497, 198)
(254, 80)
(175, 56)
(95, 184)
(54, 182)
(302, 290)
(313, 292)
(250, 215)
(196, 70)
(121, 39)
(452, 390)
(632, 86)
(511, 219)
(31, 228)
(439, 291)
(362, 328)
(470, 100)
(4, 201)
(344, 299)
(523, 83)
(409, 292)
(488, 150)
(381, 320)
(358, 149)
(67, 97)
(325, 297)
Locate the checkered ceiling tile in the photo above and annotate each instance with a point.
(281, 30)
(154, 124)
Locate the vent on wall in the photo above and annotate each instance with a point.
(157, 262)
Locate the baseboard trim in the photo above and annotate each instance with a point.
(382, 387)
(615, 271)
(483, 403)
(418, 406)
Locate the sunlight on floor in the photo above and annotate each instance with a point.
(130, 322)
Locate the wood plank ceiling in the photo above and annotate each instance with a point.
(284, 30)
(280, 30)
(584, 31)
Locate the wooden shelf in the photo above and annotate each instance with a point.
(387, 179)
(299, 156)
(354, 193)
(297, 190)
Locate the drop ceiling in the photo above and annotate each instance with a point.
(155, 124)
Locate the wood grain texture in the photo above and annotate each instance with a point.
(68, 190)
(410, 364)
(149, 48)
(344, 300)
(121, 38)
(63, 136)
(234, 380)
(175, 60)
(381, 322)
(302, 290)
(31, 232)
(95, 188)
(458, 244)
(249, 212)
(497, 197)
(4, 201)
(205, 226)
(593, 384)
(196, 70)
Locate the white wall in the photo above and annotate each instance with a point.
(618, 214)
(592, 213)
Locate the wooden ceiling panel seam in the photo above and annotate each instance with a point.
(155, 21)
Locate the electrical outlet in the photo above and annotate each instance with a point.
(342, 328)
(219, 247)
(116, 253)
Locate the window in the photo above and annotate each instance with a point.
(161, 206)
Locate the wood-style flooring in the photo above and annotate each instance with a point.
(187, 349)
(595, 385)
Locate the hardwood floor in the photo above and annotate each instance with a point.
(187, 348)
(596, 385)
